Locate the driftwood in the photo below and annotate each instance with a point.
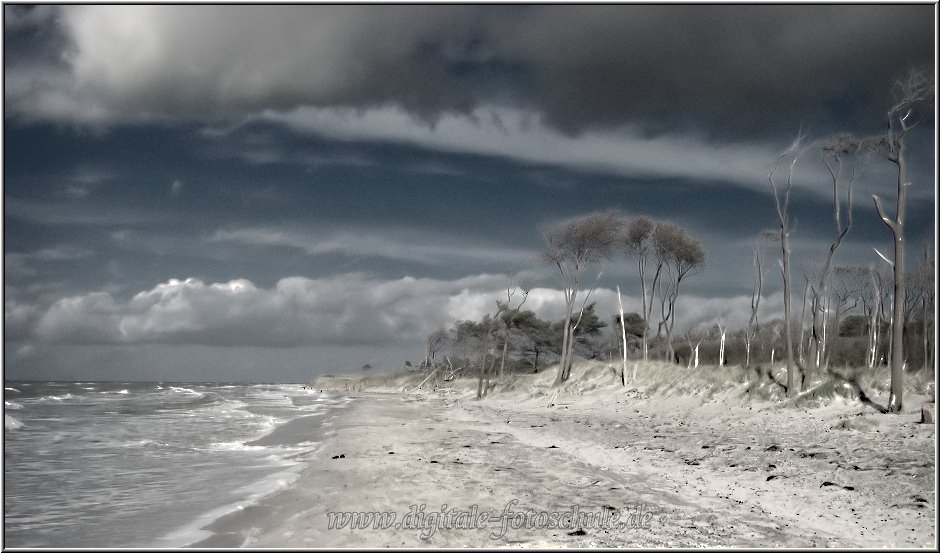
(428, 378)
(551, 401)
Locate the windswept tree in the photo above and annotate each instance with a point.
(914, 98)
(782, 202)
(573, 247)
(681, 255)
(638, 244)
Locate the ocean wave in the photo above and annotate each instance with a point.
(144, 443)
(235, 446)
(10, 423)
(9, 389)
(56, 398)
(12, 405)
(185, 390)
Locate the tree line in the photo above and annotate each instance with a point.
(888, 307)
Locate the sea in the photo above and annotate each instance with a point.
(133, 464)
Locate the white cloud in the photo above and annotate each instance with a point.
(524, 136)
(397, 244)
(175, 188)
(347, 310)
(23, 264)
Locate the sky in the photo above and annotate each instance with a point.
(268, 193)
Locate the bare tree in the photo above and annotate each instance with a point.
(806, 280)
(572, 248)
(846, 288)
(693, 350)
(835, 153)
(783, 217)
(914, 98)
(623, 337)
(433, 344)
(750, 332)
(722, 334)
(924, 278)
(873, 298)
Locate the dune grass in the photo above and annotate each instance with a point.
(728, 383)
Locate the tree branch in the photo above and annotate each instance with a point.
(881, 213)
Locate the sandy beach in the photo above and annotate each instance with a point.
(603, 467)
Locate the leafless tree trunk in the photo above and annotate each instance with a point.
(723, 332)
(834, 153)
(784, 236)
(914, 99)
(929, 296)
(623, 337)
(874, 326)
(751, 331)
(803, 319)
(847, 288)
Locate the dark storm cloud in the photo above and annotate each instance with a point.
(350, 177)
(721, 68)
(725, 70)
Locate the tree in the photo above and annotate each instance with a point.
(586, 329)
(366, 367)
(914, 97)
(835, 152)
(680, 255)
(751, 331)
(783, 216)
(846, 288)
(924, 280)
(509, 314)
(623, 336)
(723, 333)
(540, 334)
(692, 332)
(572, 247)
(639, 245)
(434, 342)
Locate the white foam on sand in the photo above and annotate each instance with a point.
(253, 493)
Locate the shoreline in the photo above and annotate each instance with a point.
(682, 472)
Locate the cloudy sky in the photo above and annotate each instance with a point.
(269, 193)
